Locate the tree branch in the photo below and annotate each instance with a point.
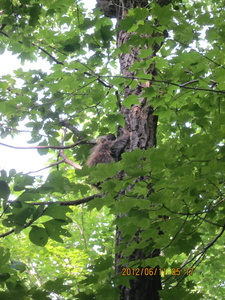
(48, 147)
(49, 166)
(40, 48)
(182, 86)
(25, 226)
(70, 203)
(69, 126)
(198, 255)
(63, 203)
(51, 56)
(68, 161)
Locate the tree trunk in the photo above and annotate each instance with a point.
(142, 124)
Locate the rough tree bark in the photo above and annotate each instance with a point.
(142, 124)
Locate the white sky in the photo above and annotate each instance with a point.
(23, 160)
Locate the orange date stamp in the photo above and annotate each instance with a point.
(157, 271)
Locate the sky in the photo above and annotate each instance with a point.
(23, 160)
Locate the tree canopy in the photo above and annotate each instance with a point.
(58, 233)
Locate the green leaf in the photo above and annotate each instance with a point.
(131, 100)
(38, 236)
(57, 211)
(21, 215)
(57, 286)
(126, 23)
(43, 151)
(4, 190)
(38, 212)
(103, 264)
(4, 276)
(22, 181)
(17, 265)
(4, 256)
(54, 229)
(35, 11)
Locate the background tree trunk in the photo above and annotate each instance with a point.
(142, 124)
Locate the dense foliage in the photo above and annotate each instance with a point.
(51, 250)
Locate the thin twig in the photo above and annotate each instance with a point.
(68, 161)
(165, 82)
(24, 226)
(40, 48)
(47, 147)
(47, 167)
